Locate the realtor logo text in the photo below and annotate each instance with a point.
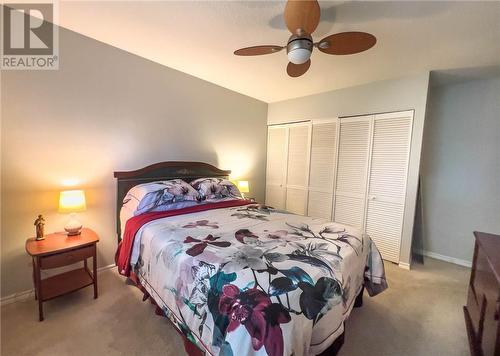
(29, 37)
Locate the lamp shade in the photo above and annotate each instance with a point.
(243, 186)
(72, 201)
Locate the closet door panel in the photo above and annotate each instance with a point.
(277, 144)
(384, 223)
(349, 210)
(323, 145)
(275, 196)
(298, 155)
(389, 163)
(296, 200)
(322, 169)
(298, 168)
(387, 181)
(353, 155)
(320, 204)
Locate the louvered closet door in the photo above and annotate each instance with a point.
(322, 169)
(298, 168)
(277, 143)
(352, 166)
(387, 181)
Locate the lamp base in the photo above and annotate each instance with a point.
(74, 233)
(73, 227)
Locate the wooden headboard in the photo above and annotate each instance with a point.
(187, 171)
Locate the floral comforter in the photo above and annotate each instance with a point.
(251, 280)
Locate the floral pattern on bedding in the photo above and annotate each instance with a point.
(168, 195)
(215, 188)
(244, 285)
(160, 196)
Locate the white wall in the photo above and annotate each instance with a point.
(385, 96)
(461, 166)
(106, 110)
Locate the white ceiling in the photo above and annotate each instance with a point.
(199, 37)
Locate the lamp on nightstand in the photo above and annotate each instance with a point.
(72, 201)
(243, 187)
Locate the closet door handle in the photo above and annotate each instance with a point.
(372, 197)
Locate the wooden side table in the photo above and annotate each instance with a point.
(59, 250)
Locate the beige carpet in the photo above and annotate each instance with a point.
(420, 314)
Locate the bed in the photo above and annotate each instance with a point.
(240, 278)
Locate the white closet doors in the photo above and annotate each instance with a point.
(277, 153)
(372, 170)
(352, 170)
(288, 166)
(322, 168)
(387, 181)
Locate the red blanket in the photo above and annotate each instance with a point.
(124, 251)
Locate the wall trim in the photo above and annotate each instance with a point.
(404, 265)
(445, 258)
(27, 294)
(17, 297)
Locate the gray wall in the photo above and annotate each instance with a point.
(461, 166)
(384, 96)
(106, 110)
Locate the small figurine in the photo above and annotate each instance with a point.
(39, 223)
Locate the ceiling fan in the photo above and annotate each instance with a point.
(302, 18)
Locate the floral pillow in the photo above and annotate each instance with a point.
(216, 188)
(160, 196)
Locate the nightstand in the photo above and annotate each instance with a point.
(59, 250)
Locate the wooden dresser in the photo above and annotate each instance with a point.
(482, 312)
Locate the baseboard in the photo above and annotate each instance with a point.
(18, 297)
(404, 265)
(453, 260)
(104, 268)
(27, 294)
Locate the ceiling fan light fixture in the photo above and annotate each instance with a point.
(299, 55)
(299, 50)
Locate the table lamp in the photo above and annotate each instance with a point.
(243, 187)
(72, 201)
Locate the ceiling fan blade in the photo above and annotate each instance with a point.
(346, 43)
(257, 50)
(302, 15)
(296, 70)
